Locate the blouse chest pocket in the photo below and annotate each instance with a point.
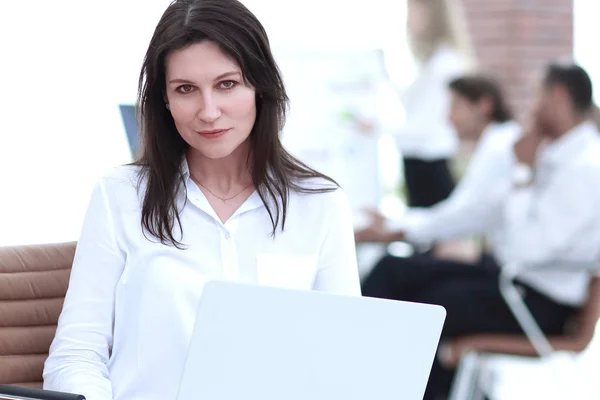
(289, 271)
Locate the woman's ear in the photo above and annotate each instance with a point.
(166, 100)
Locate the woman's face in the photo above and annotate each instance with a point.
(417, 21)
(213, 108)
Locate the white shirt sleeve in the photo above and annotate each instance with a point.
(83, 341)
(473, 205)
(542, 223)
(338, 270)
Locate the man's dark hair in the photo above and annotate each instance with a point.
(476, 87)
(575, 80)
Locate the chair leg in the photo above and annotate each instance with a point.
(483, 380)
(465, 383)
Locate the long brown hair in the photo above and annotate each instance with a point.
(239, 34)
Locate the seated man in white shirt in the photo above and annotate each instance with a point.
(547, 215)
(479, 113)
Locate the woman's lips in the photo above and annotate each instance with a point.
(213, 134)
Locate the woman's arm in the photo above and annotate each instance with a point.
(83, 341)
(338, 270)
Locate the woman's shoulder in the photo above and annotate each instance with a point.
(321, 194)
(118, 188)
(121, 177)
(447, 60)
(447, 53)
(317, 184)
(122, 184)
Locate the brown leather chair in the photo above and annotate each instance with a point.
(33, 283)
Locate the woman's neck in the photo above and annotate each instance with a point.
(222, 175)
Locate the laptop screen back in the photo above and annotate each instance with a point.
(264, 343)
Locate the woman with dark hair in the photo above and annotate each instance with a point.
(213, 195)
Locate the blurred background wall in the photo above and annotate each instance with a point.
(66, 65)
(515, 38)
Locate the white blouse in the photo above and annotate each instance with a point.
(427, 133)
(131, 303)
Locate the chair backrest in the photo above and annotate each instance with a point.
(33, 284)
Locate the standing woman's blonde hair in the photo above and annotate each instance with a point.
(442, 23)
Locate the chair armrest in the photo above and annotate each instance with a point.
(519, 309)
(10, 392)
(535, 342)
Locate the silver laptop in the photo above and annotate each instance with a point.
(252, 342)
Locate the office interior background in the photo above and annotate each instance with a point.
(67, 66)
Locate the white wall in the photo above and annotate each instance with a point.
(585, 40)
(65, 66)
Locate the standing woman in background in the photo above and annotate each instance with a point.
(427, 141)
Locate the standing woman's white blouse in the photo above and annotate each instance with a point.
(427, 133)
(131, 304)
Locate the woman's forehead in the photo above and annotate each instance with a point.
(200, 61)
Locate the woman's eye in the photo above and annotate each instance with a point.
(185, 89)
(227, 84)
